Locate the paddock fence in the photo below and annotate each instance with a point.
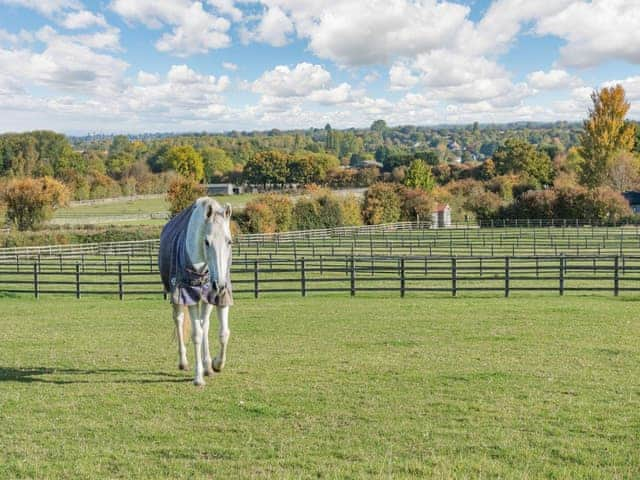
(406, 238)
(341, 274)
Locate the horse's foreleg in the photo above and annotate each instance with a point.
(223, 333)
(206, 355)
(196, 336)
(178, 319)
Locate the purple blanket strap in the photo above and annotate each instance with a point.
(192, 294)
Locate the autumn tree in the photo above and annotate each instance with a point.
(605, 133)
(381, 204)
(186, 161)
(182, 193)
(31, 201)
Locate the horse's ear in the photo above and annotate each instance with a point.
(209, 212)
(227, 210)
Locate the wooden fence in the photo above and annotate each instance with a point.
(352, 275)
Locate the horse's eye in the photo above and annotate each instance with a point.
(206, 242)
(230, 242)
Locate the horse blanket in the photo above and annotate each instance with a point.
(186, 285)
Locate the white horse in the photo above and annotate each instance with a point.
(195, 264)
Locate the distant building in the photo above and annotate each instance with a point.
(224, 189)
(441, 216)
(370, 163)
(633, 197)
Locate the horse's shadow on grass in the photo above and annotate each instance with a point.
(39, 375)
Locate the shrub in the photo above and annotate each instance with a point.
(351, 210)
(182, 193)
(484, 205)
(535, 204)
(31, 201)
(306, 215)
(282, 208)
(278, 219)
(259, 218)
(606, 205)
(416, 203)
(330, 210)
(381, 204)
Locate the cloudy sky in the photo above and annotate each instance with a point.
(80, 66)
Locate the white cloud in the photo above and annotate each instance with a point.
(66, 63)
(461, 78)
(15, 38)
(226, 7)
(274, 28)
(82, 19)
(596, 31)
(401, 77)
(343, 93)
(229, 66)
(146, 78)
(552, 80)
(195, 30)
(631, 86)
(285, 82)
(362, 33)
(45, 7)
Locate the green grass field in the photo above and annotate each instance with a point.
(129, 210)
(325, 388)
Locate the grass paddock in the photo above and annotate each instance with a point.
(325, 388)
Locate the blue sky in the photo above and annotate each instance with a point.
(134, 66)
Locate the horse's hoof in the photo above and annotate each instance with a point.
(217, 366)
(209, 372)
(183, 366)
(199, 382)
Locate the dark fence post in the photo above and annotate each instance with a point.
(120, 285)
(353, 277)
(35, 280)
(561, 278)
(454, 277)
(77, 280)
(303, 279)
(256, 289)
(616, 275)
(402, 279)
(506, 276)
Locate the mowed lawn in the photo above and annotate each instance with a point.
(332, 387)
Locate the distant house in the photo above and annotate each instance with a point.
(224, 189)
(370, 163)
(633, 197)
(441, 216)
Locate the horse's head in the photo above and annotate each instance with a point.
(217, 244)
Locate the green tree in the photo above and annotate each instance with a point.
(519, 156)
(419, 176)
(216, 162)
(605, 133)
(186, 161)
(379, 126)
(120, 156)
(267, 167)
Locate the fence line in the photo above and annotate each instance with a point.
(418, 233)
(452, 275)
